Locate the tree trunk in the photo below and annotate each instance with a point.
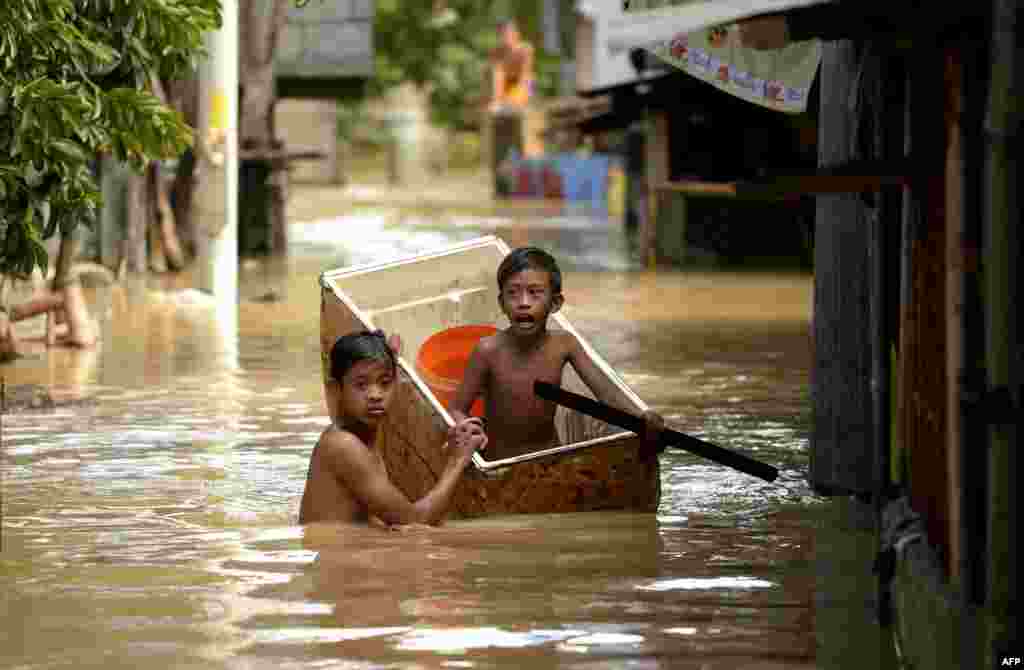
(166, 246)
(183, 96)
(260, 25)
(256, 70)
(133, 250)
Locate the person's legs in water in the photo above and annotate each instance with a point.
(48, 302)
(9, 348)
(81, 329)
(67, 318)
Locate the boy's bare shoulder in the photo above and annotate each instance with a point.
(334, 437)
(564, 340)
(338, 444)
(487, 346)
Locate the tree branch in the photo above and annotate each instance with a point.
(279, 17)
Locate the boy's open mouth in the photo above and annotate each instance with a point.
(525, 320)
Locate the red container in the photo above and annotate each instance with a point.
(441, 361)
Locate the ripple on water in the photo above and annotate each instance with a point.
(463, 639)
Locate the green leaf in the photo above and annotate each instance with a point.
(49, 222)
(33, 175)
(70, 150)
(61, 63)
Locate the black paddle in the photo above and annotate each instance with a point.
(669, 437)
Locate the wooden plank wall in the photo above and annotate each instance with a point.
(922, 392)
(954, 305)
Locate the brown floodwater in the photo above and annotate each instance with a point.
(154, 524)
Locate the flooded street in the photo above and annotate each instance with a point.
(153, 523)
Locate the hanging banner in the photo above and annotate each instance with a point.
(701, 39)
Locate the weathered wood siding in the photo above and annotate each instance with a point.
(923, 402)
(842, 458)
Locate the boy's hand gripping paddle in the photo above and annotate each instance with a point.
(668, 437)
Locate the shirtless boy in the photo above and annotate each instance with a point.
(347, 479)
(511, 68)
(504, 366)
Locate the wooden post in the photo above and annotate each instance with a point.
(841, 437)
(971, 451)
(887, 145)
(954, 305)
(1001, 235)
(656, 166)
(506, 136)
(280, 181)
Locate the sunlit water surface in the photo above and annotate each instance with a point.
(153, 525)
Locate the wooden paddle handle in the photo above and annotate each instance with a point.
(617, 417)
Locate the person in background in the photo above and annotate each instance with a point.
(511, 69)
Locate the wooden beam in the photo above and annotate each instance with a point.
(954, 307)
(783, 186)
(851, 177)
(282, 155)
(723, 189)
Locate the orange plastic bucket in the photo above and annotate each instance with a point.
(441, 362)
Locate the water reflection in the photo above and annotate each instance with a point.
(487, 588)
(153, 523)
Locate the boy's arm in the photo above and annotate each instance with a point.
(609, 393)
(595, 379)
(472, 385)
(350, 462)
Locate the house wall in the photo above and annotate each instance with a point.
(597, 67)
(310, 124)
(585, 76)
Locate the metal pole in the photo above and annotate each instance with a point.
(217, 197)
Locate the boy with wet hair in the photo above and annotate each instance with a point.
(347, 479)
(503, 367)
